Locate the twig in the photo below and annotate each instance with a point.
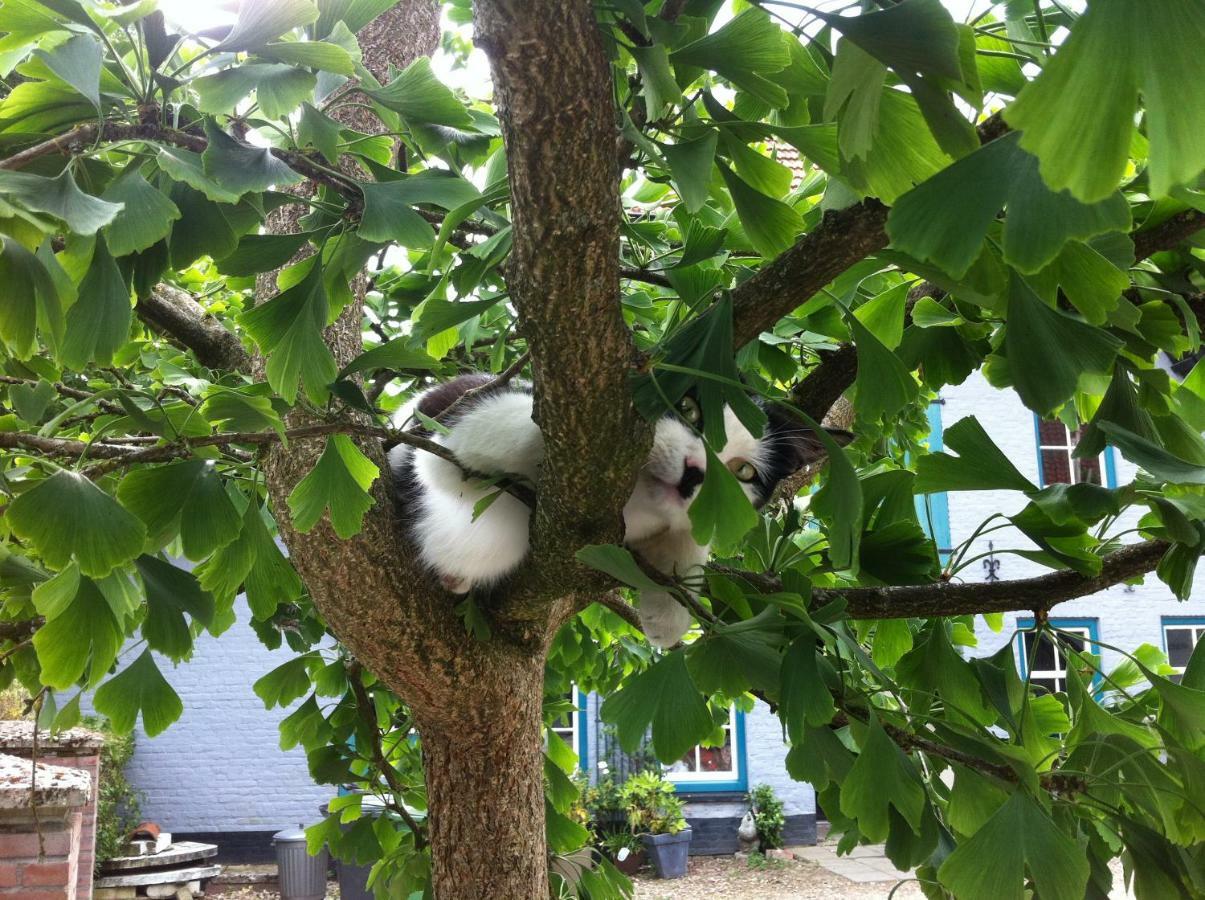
(367, 712)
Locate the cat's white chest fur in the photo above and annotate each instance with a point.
(492, 433)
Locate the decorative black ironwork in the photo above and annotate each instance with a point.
(991, 565)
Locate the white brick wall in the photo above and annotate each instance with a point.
(220, 767)
(1126, 617)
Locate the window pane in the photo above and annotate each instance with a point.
(1077, 639)
(717, 759)
(1087, 471)
(1056, 467)
(1053, 434)
(1179, 646)
(1042, 657)
(687, 763)
(1045, 685)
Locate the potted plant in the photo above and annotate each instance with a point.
(768, 815)
(625, 850)
(655, 813)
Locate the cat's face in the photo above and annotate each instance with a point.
(677, 464)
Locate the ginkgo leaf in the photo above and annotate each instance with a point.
(731, 659)
(321, 55)
(289, 329)
(884, 385)
(1048, 349)
(240, 168)
(78, 62)
(1081, 132)
(744, 50)
(770, 224)
(187, 167)
(804, 697)
(690, 163)
(259, 21)
(84, 636)
(421, 98)
(272, 579)
(339, 482)
(980, 465)
(30, 295)
(1020, 837)
(170, 593)
(317, 129)
(663, 697)
(721, 513)
(881, 777)
(139, 688)
(287, 682)
(945, 219)
(59, 197)
(67, 516)
(186, 495)
(146, 216)
(98, 323)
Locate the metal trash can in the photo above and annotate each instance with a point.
(302, 877)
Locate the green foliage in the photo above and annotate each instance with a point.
(1047, 272)
(769, 816)
(118, 804)
(652, 805)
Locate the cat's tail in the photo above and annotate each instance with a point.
(662, 618)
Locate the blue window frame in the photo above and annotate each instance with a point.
(933, 510)
(1055, 443)
(572, 728)
(1044, 662)
(1181, 634)
(712, 769)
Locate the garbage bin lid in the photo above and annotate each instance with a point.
(290, 836)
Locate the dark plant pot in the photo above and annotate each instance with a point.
(668, 852)
(632, 863)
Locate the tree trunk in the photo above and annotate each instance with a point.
(485, 788)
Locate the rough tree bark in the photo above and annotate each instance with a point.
(477, 705)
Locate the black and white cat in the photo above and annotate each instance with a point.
(492, 432)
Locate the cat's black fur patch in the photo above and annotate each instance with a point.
(791, 446)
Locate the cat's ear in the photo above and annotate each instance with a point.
(796, 442)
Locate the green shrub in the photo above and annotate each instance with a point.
(652, 805)
(118, 806)
(768, 815)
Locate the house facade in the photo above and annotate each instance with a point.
(1121, 618)
(218, 773)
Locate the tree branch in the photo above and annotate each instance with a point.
(21, 629)
(174, 312)
(966, 598)
(552, 89)
(1168, 234)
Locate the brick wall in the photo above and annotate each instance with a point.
(41, 819)
(77, 748)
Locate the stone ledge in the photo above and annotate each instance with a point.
(53, 786)
(17, 734)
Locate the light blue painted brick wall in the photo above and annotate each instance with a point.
(220, 767)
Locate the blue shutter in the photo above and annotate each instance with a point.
(933, 510)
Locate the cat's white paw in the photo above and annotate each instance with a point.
(455, 584)
(663, 619)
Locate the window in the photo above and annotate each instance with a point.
(1045, 660)
(1180, 637)
(719, 768)
(1056, 465)
(570, 726)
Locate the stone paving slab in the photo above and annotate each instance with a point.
(864, 864)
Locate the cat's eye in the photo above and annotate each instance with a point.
(688, 407)
(742, 469)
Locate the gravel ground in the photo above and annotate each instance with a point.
(725, 878)
(712, 878)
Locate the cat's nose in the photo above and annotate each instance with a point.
(692, 477)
